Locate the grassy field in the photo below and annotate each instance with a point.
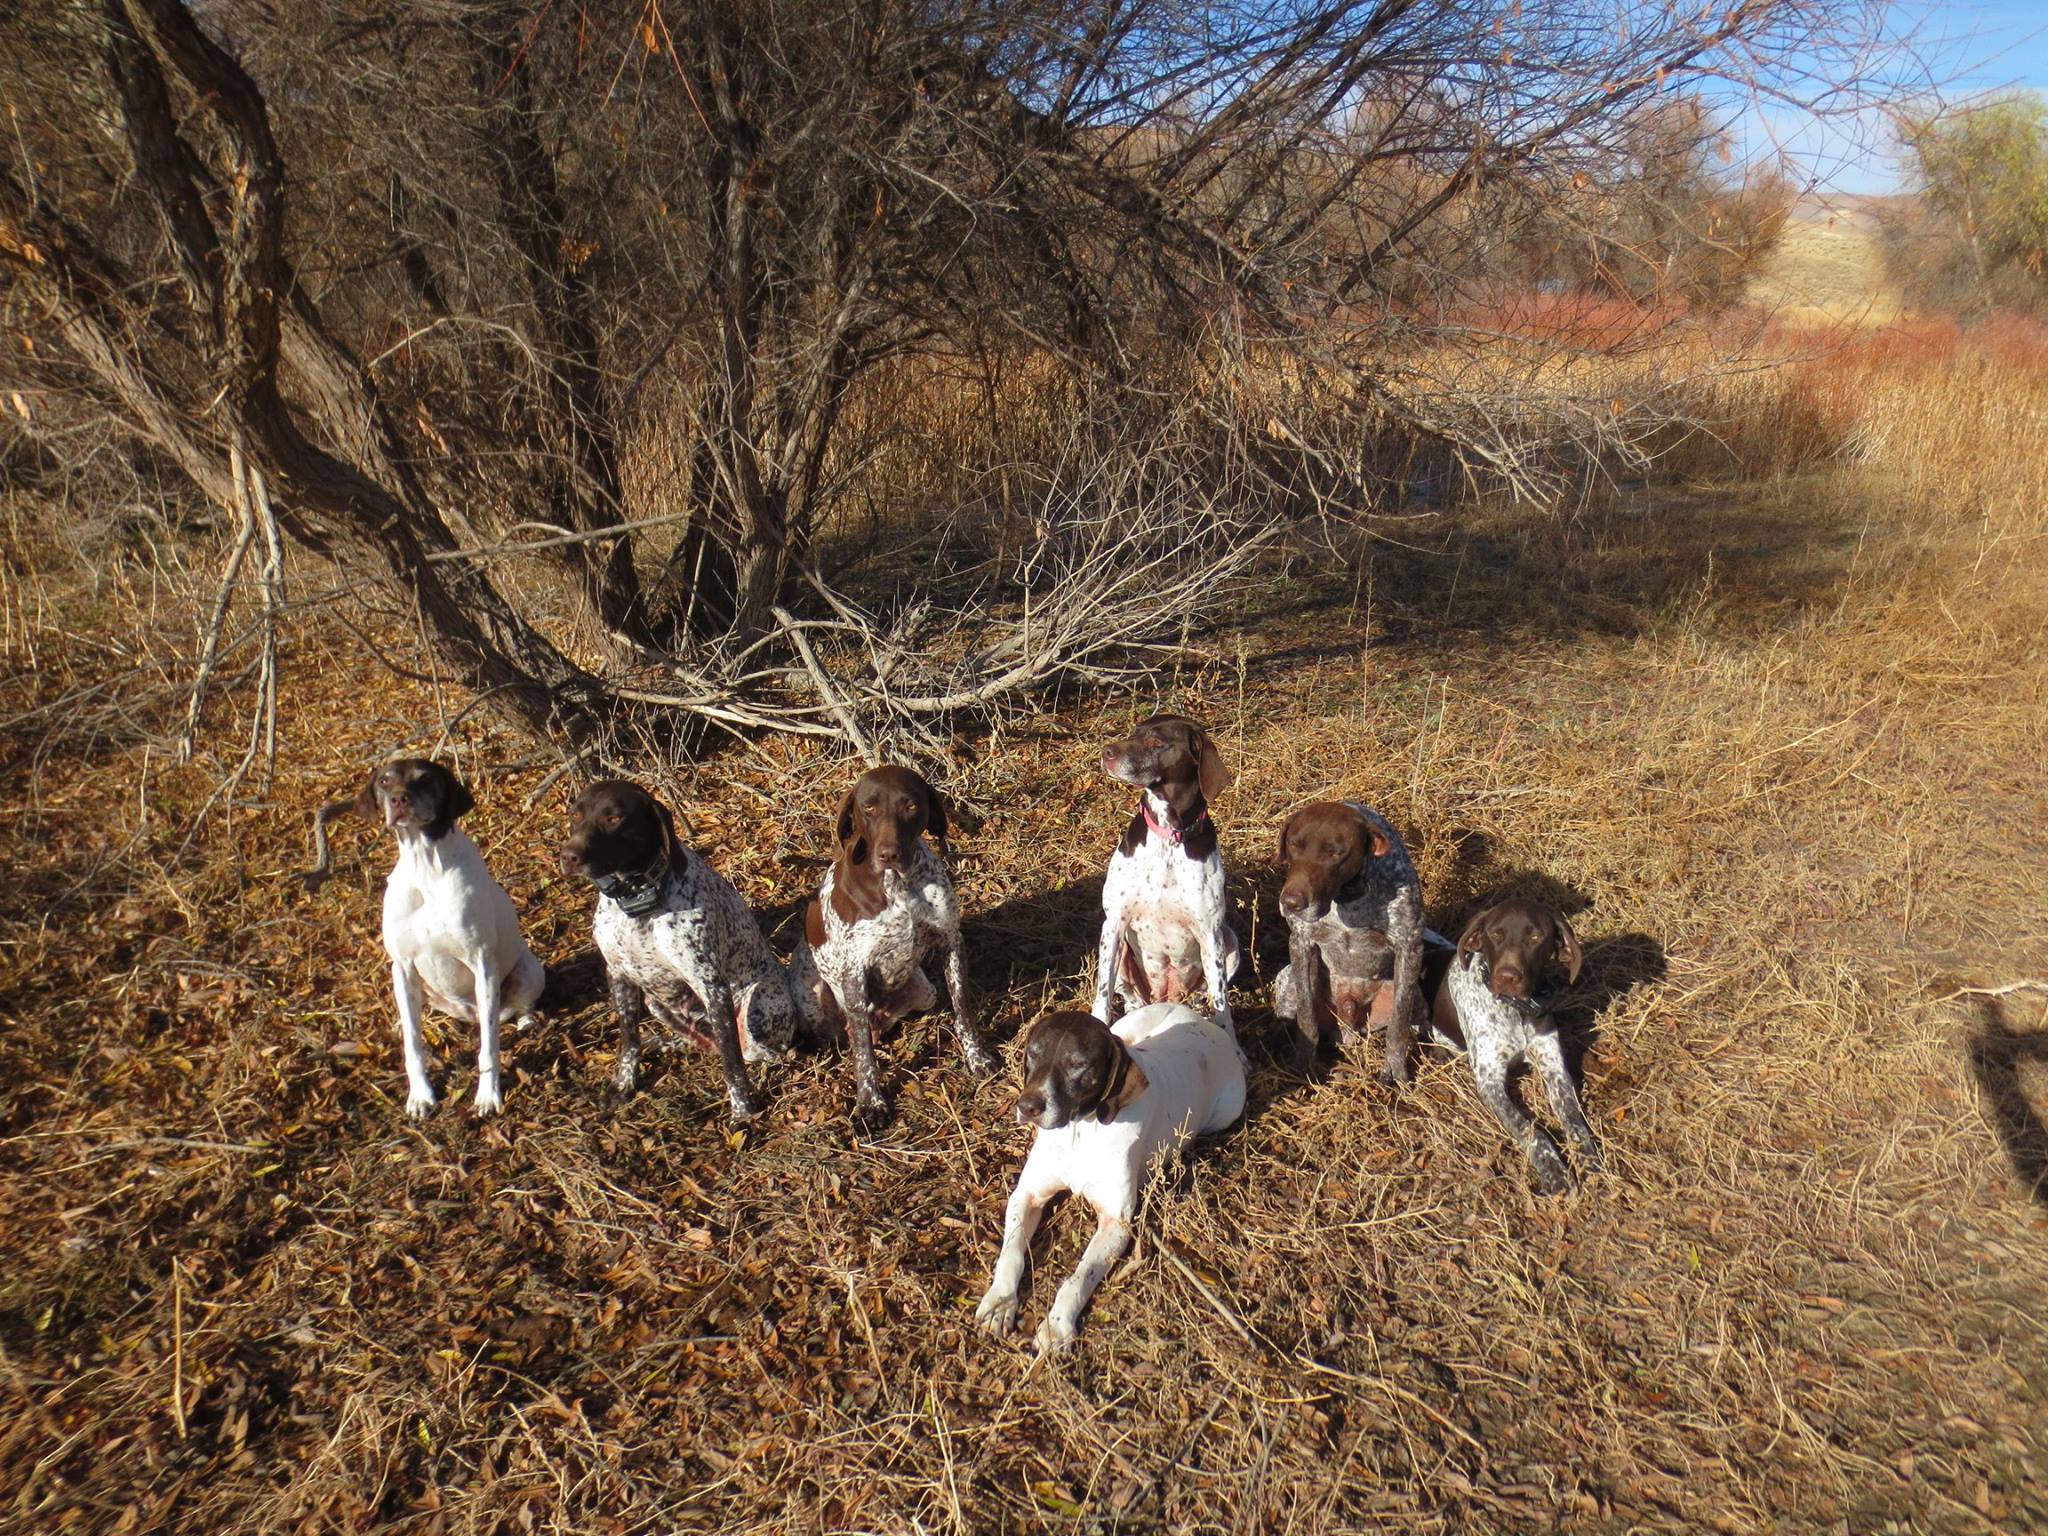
(1775, 741)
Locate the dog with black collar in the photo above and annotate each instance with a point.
(678, 941)
(1166, 933)
(1353, 904)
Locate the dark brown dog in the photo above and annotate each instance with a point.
(887, 905)
(1075, 1066)
(1353, 905)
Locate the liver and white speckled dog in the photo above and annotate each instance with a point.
(1354, 932)
(887, 904)
(1165, 929)
(1493, 1002)
(449, 928)
(1107, 1103)
(677, 940)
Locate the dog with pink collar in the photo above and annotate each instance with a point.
(1166, 935)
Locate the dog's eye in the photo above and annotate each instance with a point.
(611, 822)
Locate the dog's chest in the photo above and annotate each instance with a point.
(1162, 892)
(919, 913)
(645, 949)
(430, 907)
(1492, 1028)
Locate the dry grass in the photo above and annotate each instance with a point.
(1778, 744)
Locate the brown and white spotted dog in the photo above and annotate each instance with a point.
(1495, 1002)
(1353, 905)
(678, 941)
(887, 905)
(1166, 933)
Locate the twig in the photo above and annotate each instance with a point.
(824, 684)
(312, 879)
(2007, 990)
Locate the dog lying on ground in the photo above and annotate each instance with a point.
(449, 928)
(886, 906)
(1492, 1005)
(1165, 929)
(1107, 1103)
(678, 941)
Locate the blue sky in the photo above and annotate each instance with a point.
(1970, 48)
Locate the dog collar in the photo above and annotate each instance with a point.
(1174, 835)
(637, 892)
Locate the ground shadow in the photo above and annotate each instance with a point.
(1996, 1053)
(1031, 943)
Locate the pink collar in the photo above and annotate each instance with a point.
(1174, 835)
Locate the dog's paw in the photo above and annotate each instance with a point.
(1055, 1334)
(1548, 1165)
(626, 1076)
(489, 1098)
(525, 1021)
(871, 1109)
(745, 1107)
(997, 1313)
(420, 1103)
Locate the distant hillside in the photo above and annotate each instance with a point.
(1827, 265)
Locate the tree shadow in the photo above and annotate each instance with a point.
(1033, 944)
(1997, 1052)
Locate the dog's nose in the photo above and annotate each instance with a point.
(1292, 898)
(888, 857)
(571, 861)
(1510, 980)
(1030, 1106)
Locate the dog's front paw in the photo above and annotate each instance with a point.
(1055, 1334)
(489, 1099)
(870, 1108)
(997, 1313)
(420, 1103)
(626, 1076)
(525, 1021)
(1548, 1165)
(746, 1106)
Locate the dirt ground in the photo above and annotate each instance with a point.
(1779, 751)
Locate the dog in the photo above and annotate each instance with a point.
(887, 904)
(1106, 1102)
(678, 941)
(1164, 923)
(1353, 904)
(1493, 1006)
(449, 928)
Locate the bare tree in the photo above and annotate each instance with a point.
(444, 276)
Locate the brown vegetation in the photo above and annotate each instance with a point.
(1774, 737)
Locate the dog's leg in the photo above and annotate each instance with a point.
(405, 983)
(1219, 959)
(490, 989)
(998, 1310)
(871, 1106)
(1407, 998)
(1490, 1068)
(1108, 961)
(629, 1003)
(522, 991)
(1547, 1056)
(1301, 972)
(725, 1031)
(981, 1057)
(1112, 1238)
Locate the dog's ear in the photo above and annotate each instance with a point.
(669, 843)
(460, 801)
(366, 802)
(1286, 827)
(1126, 1081)
(1378, 845)
(934, 812)
(1568, 948)
(1470, 940)
(845, 833)
(1209, 764)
